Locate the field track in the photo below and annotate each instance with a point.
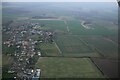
(58, 48)
(67, 26)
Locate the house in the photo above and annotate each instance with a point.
(39, 53)
(37, 74)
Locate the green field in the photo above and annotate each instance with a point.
(8, 50)
(6, 60)
(106, 47)
(73, 46)
(49, 49)
(55, 25)
(77, 29)
(67, 67)
(6, 63)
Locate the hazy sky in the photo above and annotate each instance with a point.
(59, 0)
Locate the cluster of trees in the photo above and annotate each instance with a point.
(42, 17)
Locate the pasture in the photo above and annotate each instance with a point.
(73, 46)
(49, 49)
(59, 67)
(76, 28)
(107, 66)
(105, 46)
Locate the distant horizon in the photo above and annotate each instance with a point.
(59, 0)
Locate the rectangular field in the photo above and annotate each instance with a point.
(49, 49)
(76, 28)
(72, 46)
(54, 67)
(106, 47)
(108, 67)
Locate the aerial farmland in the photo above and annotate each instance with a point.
(59, 40)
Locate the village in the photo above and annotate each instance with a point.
(26, 53)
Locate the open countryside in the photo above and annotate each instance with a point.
(59, 40)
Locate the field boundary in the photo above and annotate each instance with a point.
(58, 48)
(110, 40)
(67, 25)
(97, 67)
(93, 47)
